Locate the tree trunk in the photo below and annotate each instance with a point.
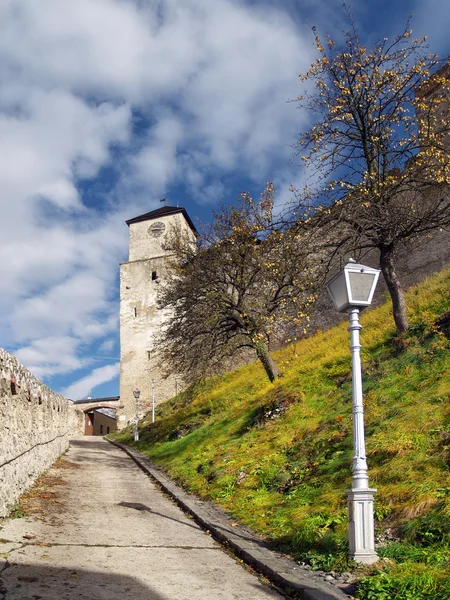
(394, 287)
(268, 363)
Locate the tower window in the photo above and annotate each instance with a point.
(154, 275)
(135, 311)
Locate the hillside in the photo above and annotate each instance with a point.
(278, 457)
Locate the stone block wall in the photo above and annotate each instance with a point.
(150, 264)
(35, 425)
(414, 263)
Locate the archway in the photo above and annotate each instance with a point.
(100, 420)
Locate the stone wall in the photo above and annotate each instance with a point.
(140, 318)
(415, 262)
(140, 321)
(35, 424)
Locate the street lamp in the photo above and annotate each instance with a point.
(352, 290)
(153, 400)
(136, 395)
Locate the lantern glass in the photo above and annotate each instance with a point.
(337, 288)
(136, 393)
(360, 286)
(353, 286)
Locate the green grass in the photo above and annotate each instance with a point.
(278, 457)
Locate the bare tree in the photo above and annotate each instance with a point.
(378, 148)
(233, 291)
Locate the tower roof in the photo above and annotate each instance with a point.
(163, 212)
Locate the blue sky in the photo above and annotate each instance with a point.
(106, 106)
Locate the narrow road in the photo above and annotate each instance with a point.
(110, 534)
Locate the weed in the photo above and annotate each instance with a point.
(15, 511)
(417, 582)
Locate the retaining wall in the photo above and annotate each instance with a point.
(35, 425)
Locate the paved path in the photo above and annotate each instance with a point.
(110, 535)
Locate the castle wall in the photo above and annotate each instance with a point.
(103, 424)
(145, 243)
(414, 263)
(140, 319)
(35, 425)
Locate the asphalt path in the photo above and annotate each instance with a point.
(100, 529)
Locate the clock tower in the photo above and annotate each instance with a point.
(140, 318)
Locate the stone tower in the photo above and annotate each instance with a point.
(140, 319)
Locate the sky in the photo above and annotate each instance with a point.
(106, 106)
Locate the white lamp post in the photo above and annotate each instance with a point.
(136, 395)
(352, 290)
(153, 400)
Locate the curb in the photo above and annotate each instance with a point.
(249, 547)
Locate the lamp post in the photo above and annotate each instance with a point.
(153, 400)
(352, 290)
(136, 395)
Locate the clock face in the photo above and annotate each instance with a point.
(156, 229)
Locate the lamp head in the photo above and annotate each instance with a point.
(353, 286)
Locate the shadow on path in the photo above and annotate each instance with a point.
(25, 582)
(143, 507)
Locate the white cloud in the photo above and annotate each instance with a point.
(156, 162)
(51, 356)
(84, 386)
(239, 97)
(229, 69)
(106, 346)
(184, 93)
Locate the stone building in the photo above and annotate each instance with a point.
(140, 319)
(100, 414)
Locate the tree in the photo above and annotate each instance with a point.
(378, 148)
(233, 291)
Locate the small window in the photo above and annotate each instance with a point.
(13, 385)
(149, 355)
(154, 275)
(101, 428)
(135, 311)
(107, 430)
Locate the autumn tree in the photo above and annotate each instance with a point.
(378, 148)
(234, 290)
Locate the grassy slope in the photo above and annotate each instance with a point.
(278, 457)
